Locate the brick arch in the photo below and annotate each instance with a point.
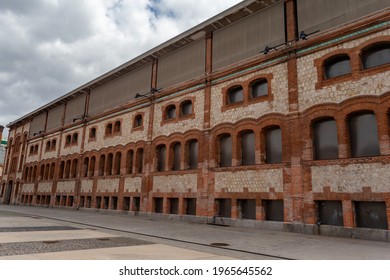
(371, 42)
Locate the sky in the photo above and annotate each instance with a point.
(50, 47)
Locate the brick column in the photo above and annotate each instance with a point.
(348, 214)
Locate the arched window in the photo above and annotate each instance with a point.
(129, 161)
(117, 126)
(325, 140)
(192, 154)
(138, 121)
(259, 88)
(102, 164)
(175, 151)
(48, 144)
(376, 55)
(68, 140)
(117, 165)
(363, 134)
(337, 66)
(36, 149)
(109, 164)
(248, 148)
(160, 157)
(273, 145)
(47, 171)
(170, 112)
(139, 160)
(75, 138)
(109, 129)
(75, 164)
(85, 167)
(235, 95)
(53, 144)
(42, 174)
(62, 169)
(225, 150)
(52, 169)
(67, 169)
(92, 133)
(92, 166)
(186, 108)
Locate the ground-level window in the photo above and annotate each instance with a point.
(330, 212)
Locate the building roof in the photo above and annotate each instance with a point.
(233, 14)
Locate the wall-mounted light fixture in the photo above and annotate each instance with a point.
(39, 132)
(149, 94)
(83, 117)
(302, 36)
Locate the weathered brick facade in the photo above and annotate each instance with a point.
(139, 156)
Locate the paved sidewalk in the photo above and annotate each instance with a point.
(241, 243)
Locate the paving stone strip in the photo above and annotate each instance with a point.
(43, 228)
(36, 247)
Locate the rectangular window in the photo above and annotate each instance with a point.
(371, 214)
(173, 205)
(190, 206)
(224, 207)
(273, 210)
(247, 209)
(330, 213)
(158, 204)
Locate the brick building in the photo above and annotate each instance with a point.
(271, 114)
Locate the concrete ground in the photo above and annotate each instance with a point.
(55, 233)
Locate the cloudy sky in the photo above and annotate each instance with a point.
(50, 47)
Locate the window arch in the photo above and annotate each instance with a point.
(117, 163)
(110, 158)
(170, 112)
(235, 94)
(92, 166)
(273, 145)
(376, 55)
(48, 146)
(53, 144)
(102, 164)
(325, 142)
(258, 88)
(186, 108)
(336, 66)
(363, 134)
(75, 138)
(68, 140)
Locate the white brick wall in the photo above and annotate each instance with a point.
(254, 181)
(176, 183)
(45, 187)
(108, 185)
(66, 186)
(351, 178)
(133, 184)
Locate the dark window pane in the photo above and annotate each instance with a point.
(225, 151)
(176, 156)
(138, 121)
(193, 157)
(325, 140)
(171, 112)
(330, 213)
(364, 135)
(337, 67)
(186, 108)
(273, 145)
(140, 160)
(248, 148)
(259, 88)
(224, 208)
(161, 151)
(273, 210)
(235, 95)
(247, 209)
(371, 214)
(376, 56)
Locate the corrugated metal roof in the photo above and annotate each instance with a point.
(235, 13)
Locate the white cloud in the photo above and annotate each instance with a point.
(50, 47)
